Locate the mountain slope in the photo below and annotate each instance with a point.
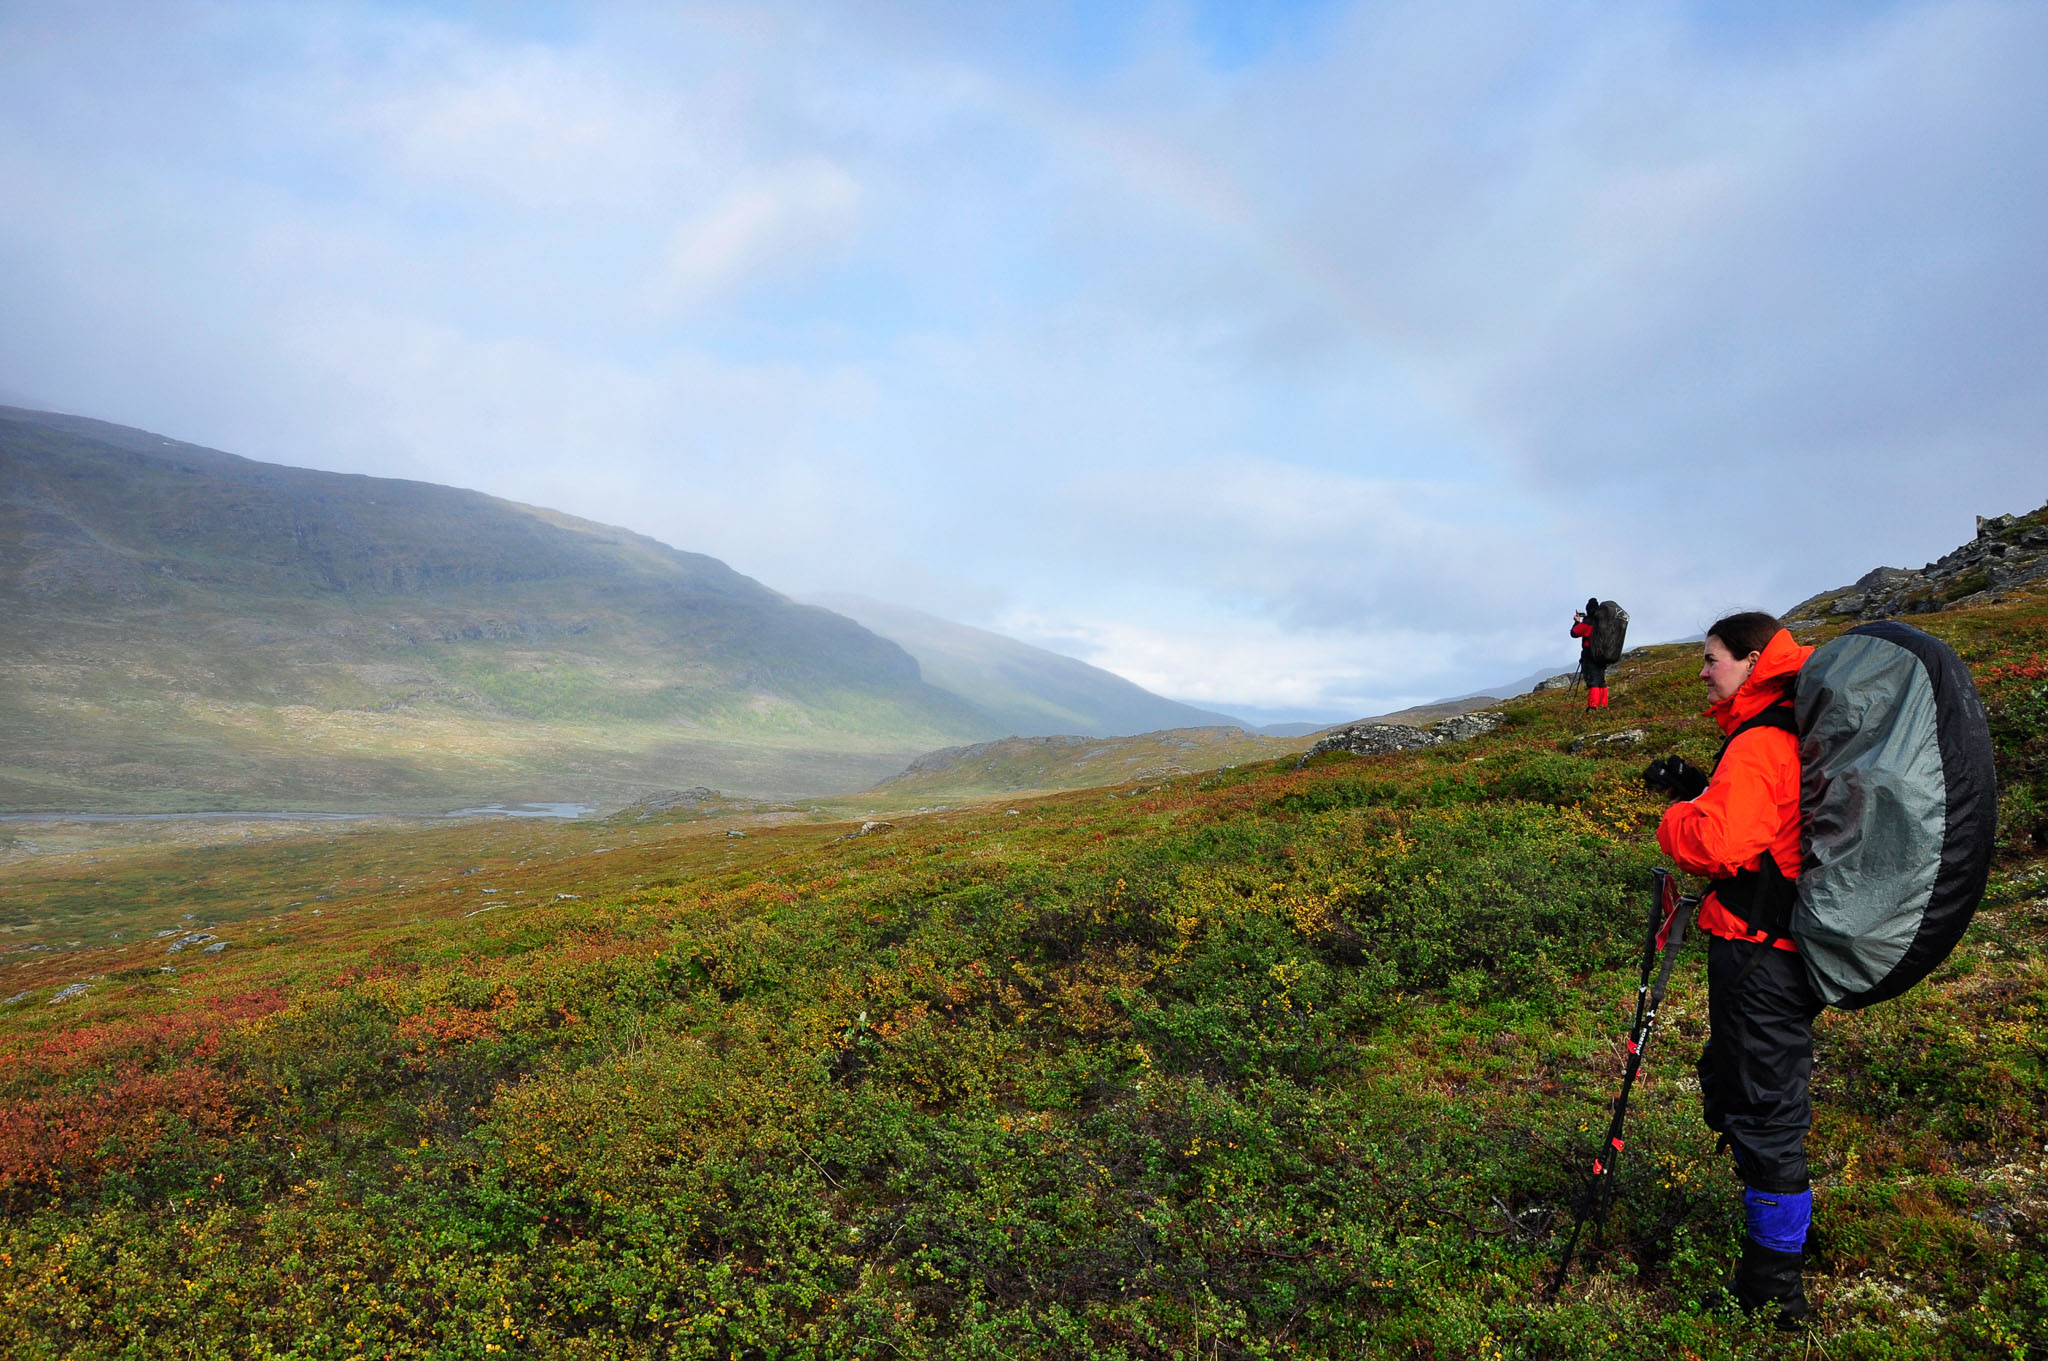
(183, 626)
(1018, 764)
(1028, 691)
(1287, 1062)
(2007, 554)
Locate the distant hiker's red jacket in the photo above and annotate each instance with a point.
(1751, 807)
(1583, 631)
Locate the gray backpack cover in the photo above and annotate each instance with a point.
(1899, 797)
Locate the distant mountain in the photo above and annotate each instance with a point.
(180, 627)
(1026, 691)
(1509, 689)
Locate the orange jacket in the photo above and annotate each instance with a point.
(1751, 807)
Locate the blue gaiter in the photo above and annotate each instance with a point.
(1778, 1220)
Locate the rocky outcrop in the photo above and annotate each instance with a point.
(2008, 554)
(1378, 739)
(1460, 727)
(1371, 739)
(674, 800)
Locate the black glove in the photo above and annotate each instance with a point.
(1673, 776)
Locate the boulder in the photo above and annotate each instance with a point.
(1372, 739)
(1464, 727)
(1883, 578)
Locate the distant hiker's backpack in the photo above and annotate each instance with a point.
(1610, 634)
(1900, 809)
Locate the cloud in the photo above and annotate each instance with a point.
(1647, 271)
(528, 127)
(1320, 550)
(792, 215)
(1336, 362)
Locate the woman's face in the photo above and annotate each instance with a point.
(1724, 672)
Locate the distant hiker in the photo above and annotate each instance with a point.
(1601, 629)
(1741, 829)
(1594, 676)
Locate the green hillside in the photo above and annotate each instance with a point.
(1041, 764)
(182, 628)
(1016, 765)
(1263, 1062)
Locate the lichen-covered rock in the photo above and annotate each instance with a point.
(1372, 739)
(1557, 682)
(1627, 737)
(1464, 727)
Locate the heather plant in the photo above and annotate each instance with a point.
(1269, 1062)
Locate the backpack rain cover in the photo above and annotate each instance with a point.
(1610, 633)
(1900, 804)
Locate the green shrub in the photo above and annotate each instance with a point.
(1511, 891)
(1548, 777)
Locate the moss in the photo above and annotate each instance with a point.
(1969, 583)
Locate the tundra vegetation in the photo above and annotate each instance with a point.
(1258, 1062)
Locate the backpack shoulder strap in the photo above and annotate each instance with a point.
(1779, 716)
(1761, 897)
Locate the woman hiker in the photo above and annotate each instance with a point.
(1595, 674)
(1740, 828)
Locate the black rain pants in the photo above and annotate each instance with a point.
(1758, 1066)
(1595, 674)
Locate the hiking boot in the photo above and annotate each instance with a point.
(1767, 1276)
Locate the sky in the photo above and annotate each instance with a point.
(1297, 359)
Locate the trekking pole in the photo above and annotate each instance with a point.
(1666, 933)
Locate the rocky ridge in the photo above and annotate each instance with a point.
(2009, 552)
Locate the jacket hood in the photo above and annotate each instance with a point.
(1769, 681)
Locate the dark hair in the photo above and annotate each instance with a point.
(1592, 606)
(1746, 632)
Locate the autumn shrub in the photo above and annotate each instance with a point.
(1520, 893)
(1547, 777)
(2016, 703)
(1283, 1062)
